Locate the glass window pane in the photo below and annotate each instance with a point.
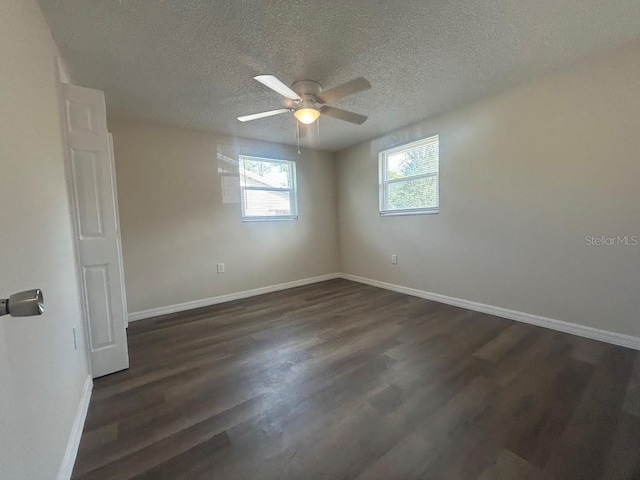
(418, 193)
(257, 173)
(414, 161)
(264, 203)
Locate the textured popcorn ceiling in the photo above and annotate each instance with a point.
(190, 63)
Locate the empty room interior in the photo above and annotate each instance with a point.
(268, 239)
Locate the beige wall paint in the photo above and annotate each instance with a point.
(41, 375)
(175, 226)
(525, 176)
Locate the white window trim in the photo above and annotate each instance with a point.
(384, 181)
(292, 190)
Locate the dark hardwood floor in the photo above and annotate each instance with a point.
(341, 380)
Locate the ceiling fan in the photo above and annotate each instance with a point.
(307, 100)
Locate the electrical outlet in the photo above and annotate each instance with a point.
(394, 259)
(220, 267)
(75, 337)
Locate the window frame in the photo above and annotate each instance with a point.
(292, 189)
(384, 181)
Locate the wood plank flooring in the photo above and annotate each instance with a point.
(340, 380)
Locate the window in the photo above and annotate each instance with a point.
(267, 188)
(409, 178)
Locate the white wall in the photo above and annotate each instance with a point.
(175, 226)
(41, 374)
(525, 176)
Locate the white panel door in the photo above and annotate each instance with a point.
(94, 191)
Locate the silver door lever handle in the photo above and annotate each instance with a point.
(23, 304)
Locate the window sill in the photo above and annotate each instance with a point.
(268, 219)
(399, 213)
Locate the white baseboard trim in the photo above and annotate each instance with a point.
(69, 459)
(553, 324)
(628, 341)
(181, 307)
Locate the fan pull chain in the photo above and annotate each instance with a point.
(318, 131)
(298, 135)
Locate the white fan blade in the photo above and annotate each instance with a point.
(354, 86)
(344, 115)
(274, 84)
(256, 116)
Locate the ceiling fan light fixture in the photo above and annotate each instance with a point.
(309, 101)
(307, 115)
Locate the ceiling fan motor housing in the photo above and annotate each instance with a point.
(308, 90)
